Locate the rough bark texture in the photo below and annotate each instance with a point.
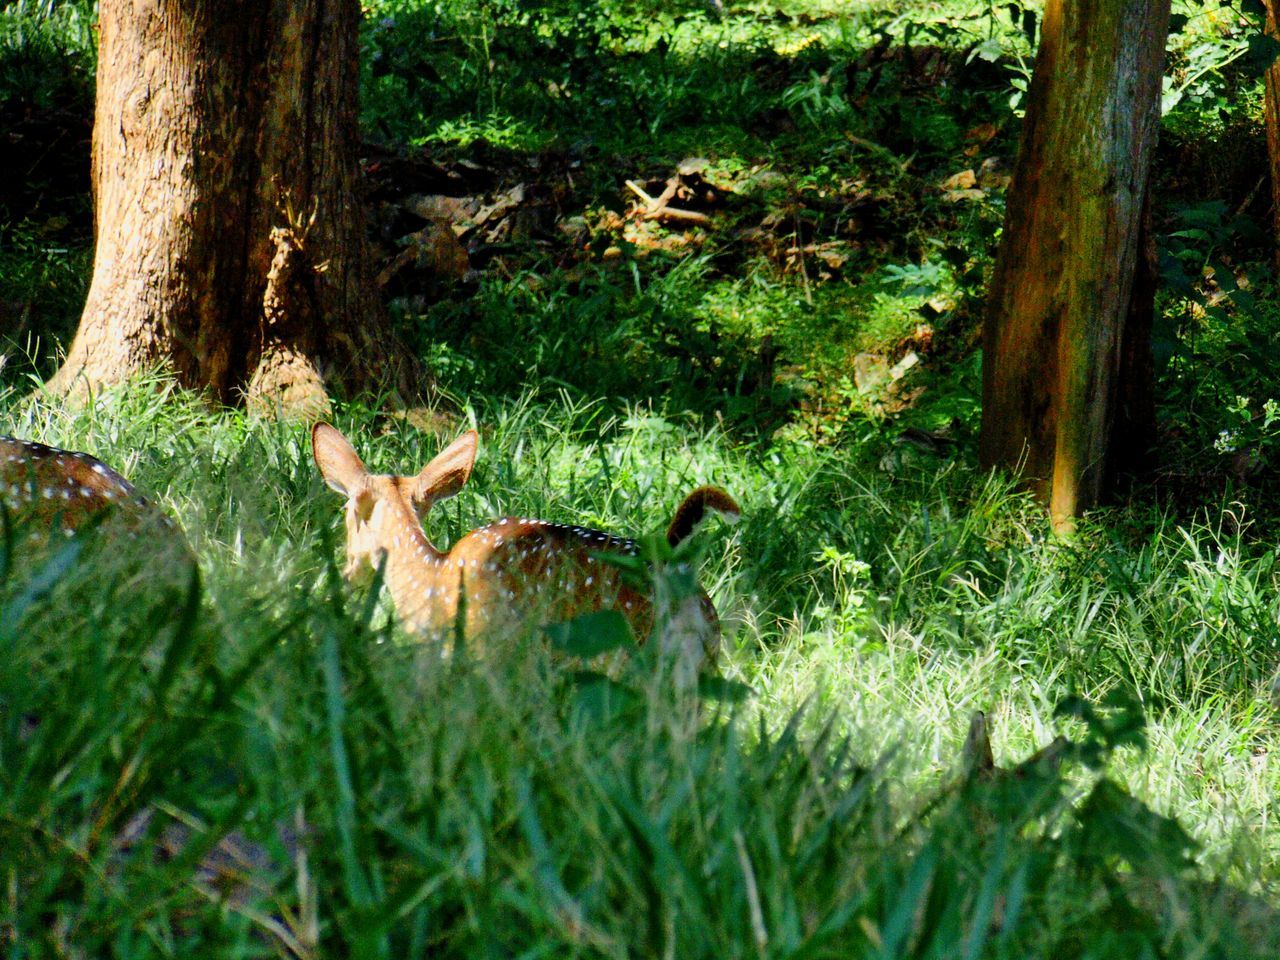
(1271, 114)
(230, 241)
(1054, 342)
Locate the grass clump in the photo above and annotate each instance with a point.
(48, 51)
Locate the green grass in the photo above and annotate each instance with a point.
(508, 804)
(47, 59)
(48, 49)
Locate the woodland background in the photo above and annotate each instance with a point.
(804, 330)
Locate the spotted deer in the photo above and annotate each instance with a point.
(47, 493)
(514, 572)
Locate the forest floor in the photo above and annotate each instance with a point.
(642, 248)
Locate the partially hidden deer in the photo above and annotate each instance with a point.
(45, 488)
(48, 494)
(510, 574)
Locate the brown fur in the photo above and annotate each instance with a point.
(49, 494)
(43, 487)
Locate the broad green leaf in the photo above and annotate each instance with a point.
(1263, 51)
(591, 634)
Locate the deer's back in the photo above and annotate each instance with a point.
(520, 572)
(49, 494)
(42, 486)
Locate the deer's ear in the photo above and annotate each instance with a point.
(444, 476)
(341, 468)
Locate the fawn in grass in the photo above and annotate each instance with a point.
(511, 574)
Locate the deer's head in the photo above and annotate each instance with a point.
(384, 513)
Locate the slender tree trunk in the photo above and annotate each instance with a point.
(1054, 343)
(1271, 117)
(230, 240)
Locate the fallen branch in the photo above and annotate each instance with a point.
(676, 214)
(639, 192)
(657, 208)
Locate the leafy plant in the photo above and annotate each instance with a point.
(47, 51)
(1195, 264)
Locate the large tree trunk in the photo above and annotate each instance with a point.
(231, 243)
(1055, 350)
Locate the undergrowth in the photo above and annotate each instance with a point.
(390, 802)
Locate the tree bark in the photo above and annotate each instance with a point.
(1271, 119)
(230, 241)
(1055, 351)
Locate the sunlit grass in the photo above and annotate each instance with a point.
(441, 797)
(963, 603)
